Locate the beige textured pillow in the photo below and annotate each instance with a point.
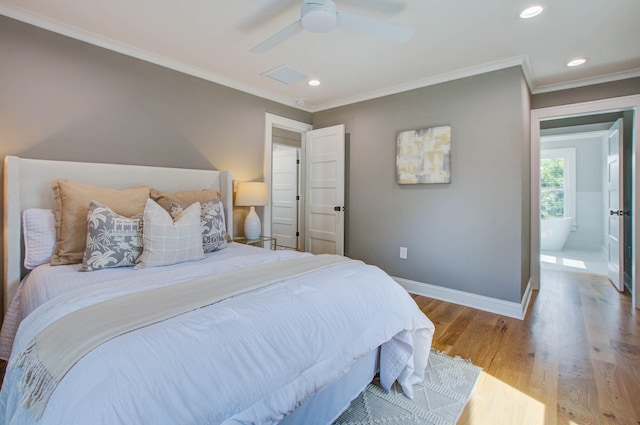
(164, 199)
(168, 241)
(72, 205)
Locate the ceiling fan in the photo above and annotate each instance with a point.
(323, 16)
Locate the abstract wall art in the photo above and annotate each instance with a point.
(424, 156)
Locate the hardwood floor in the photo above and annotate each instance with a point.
(575, 359)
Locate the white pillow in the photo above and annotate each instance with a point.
(167, 241)
(39, 232)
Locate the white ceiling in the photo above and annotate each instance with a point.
(453, 39)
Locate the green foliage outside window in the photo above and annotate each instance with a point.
(551, 188)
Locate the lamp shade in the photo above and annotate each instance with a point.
(249, 194)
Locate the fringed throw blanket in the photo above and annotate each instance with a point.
(54, 350)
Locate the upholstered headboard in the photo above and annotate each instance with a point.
(27, 184)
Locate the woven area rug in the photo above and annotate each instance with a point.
(440, 400)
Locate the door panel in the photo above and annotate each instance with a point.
(284, 192)
(615, 227)
(324, 172)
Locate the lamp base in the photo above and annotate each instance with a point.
(252, 225)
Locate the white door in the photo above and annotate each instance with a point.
(324, 181)
(284, 193)
(616, 206)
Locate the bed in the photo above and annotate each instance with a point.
(294, 348)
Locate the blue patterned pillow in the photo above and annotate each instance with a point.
(112, 240)
(214, 230)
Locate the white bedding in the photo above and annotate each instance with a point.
(248, 359)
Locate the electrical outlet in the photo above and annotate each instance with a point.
(403, 252)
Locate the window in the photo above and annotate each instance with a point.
(557, 183)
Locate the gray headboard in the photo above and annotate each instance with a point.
(27, 184)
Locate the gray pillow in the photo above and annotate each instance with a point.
(214, 230)
(112, 240)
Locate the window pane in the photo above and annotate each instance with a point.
(551, 203)
(552, 173)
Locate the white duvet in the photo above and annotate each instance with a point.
(249, 359)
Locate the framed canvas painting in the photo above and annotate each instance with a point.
(424, 156)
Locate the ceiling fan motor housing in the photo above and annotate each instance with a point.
(319, 15)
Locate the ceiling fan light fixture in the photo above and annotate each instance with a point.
(531, 12)
(319, 16)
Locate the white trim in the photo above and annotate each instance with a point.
(580, 109)
(616, 76)
(522, 61)
(467, 299)
(597, 134)
(271, 121)
(117, 46)
(47, 23)
(135, 52)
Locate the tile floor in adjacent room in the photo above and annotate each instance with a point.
(574, 260)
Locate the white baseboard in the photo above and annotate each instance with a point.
(467, 299)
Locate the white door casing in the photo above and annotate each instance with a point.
(624, 103)
(271, 122)
(324, 152)
(615, 179)
(284, 192)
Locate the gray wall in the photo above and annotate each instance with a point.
(64, 99)
(627, 87)
(471, 235)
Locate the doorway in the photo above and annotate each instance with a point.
(540, 118)
(321, 182)
(284, 131)
(574, 208)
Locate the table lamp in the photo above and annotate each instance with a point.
(251, 194)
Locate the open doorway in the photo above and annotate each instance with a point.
(322, 171)
(574, 194)
(281, 133)
(579, 114)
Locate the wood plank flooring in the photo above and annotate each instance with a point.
(574, 360)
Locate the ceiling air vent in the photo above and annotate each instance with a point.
(286, 74)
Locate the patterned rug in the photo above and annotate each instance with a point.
(440, 400)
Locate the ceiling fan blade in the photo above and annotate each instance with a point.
(388, 7)
(366, 25)
(266, 13)
(278, 37)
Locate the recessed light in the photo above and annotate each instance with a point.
(577, 62)
(531, 12)
(314, 83)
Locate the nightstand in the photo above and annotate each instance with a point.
(261, 241)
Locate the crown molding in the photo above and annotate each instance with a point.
(616, 76)
(144, 55)
(522, 61)
(132, 51)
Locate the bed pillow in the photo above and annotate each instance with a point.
(214, 231)
(165, 199)
(112, 240)
(72, 205)
(167, 241)
(39, 232)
